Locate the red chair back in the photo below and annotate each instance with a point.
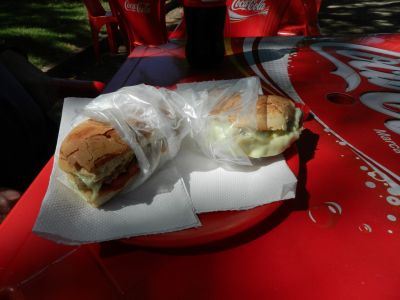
(144, 21)
(94, 8)
(301, 18)
(252, 18)
(311, 10)
(99, 17)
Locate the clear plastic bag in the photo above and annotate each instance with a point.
(221, 106)
(152, 121)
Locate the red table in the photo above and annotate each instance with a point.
(338, 239)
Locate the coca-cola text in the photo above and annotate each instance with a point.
(249, 5)
(139, 6)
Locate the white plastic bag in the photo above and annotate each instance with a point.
(152, 121)
(214, 130)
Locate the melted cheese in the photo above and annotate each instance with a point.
(92, 183)
(253, 143)
(111, 168)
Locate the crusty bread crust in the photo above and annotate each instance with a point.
(89, 146)
(93, 150)
(272, 112)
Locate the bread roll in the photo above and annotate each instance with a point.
(272, 112)
(97, 161)
(269, 129)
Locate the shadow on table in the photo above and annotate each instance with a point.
(307, 146)
(180, 70)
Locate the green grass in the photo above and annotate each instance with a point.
(48, 31)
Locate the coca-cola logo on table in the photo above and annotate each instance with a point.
(143, 7)
(367, 72)
(352, 87)
(240, 10)
(380, 67)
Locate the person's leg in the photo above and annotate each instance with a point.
(25, 140)
(37, 84)
(8, 198)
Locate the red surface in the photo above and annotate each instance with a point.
(338, 239)
(289, 256)
(340, 104)
(217, 226)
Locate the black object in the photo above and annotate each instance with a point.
(205, 35)
(26, 139)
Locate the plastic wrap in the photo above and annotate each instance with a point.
(152, 121)
(214, 131)
(236, 126)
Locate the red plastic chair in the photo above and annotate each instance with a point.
(143, 21)
(99, 17)
(262, 20)
(254, 18)
(286, 18)
(301, 18)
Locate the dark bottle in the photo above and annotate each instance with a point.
(205, 22)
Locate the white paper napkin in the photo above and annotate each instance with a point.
(65, 217)
(213, 187)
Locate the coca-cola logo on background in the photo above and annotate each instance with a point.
(241, 10)
(143, 7)
(379, 66)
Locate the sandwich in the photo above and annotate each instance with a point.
(262, 129)
(98, 163)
